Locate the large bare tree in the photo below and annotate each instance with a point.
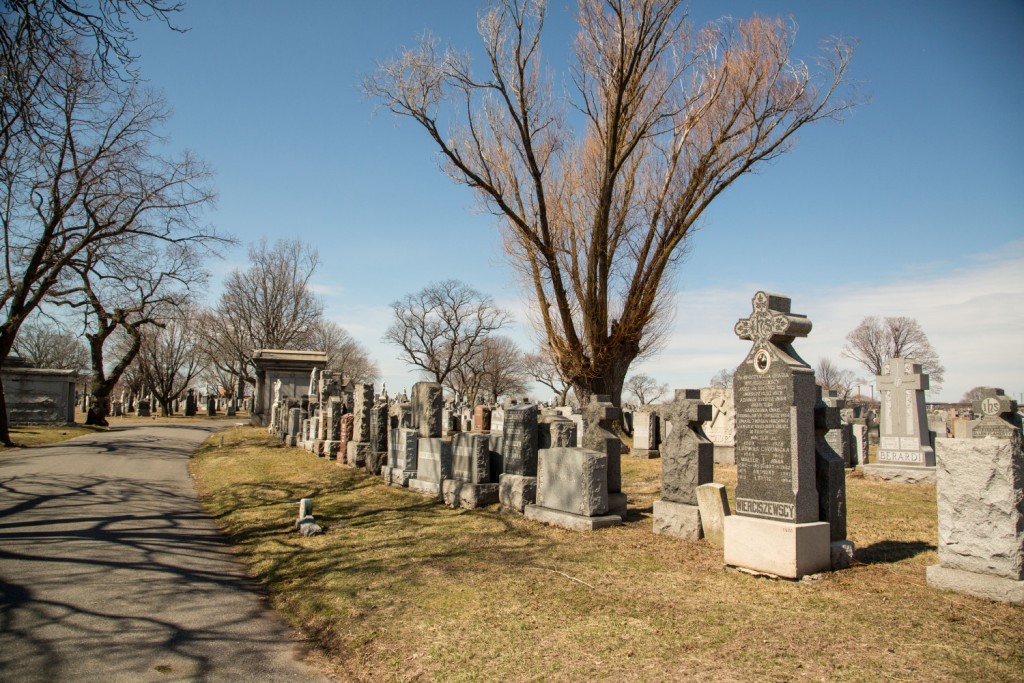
(877, 340)
(498, 370)
(596, 208)
(269, 305)
(169, 358)
(833, 378)
(644, 388)
(541, 369)
(443, 326)
(47, 345)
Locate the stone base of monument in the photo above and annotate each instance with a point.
(568, 520)
(291, 441)
(515, 491)
(677, 519)
(725, 454)
(782, 549)
(617, 504)
(987, 586)
(396, 476)
(842, 554)
(331, 449)
(375, 460)
(901, 473)
(357, 452)
(643, 453)
(466, 494)
(427, 488)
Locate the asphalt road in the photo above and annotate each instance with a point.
(110, 570)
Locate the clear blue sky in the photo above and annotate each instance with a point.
(913, 206)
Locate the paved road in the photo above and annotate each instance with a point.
(110, 570)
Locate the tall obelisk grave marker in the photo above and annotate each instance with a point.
(776, 528)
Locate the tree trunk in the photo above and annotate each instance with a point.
(99, 407)
(604, 381)
(6, 343)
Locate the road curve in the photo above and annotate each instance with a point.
(110, 570)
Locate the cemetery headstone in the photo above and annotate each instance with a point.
(402, 456)
(518, 482)
(470, 483)
(481, 419)
(433, 465)
(999, 416)
(190, 404)
(645, 433)
(572, 490)
(599, 435)
(905, 452)
(427, 408)
(776, 529)
(144, 408)
(687, 462)
(721, 428)
(980, 495)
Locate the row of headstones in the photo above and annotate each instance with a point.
(144, 406)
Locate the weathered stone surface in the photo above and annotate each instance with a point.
(842, 553)
(645, 429)
(379, 426)
(721, 428)
(999, 416)
(346, 425)
(357, 453)
(986, 586)
(573, 480)
(395, 476)
(497, 461)
(519, 440)
(900, 475)
(362, 407)
(294, 422)
(375, 460)
(498, 421)
(830, 472)
(859, 450)
(598, 435)
(568, 520)
(472, 458)
(427, 409)
(555, 431)
(515, 491)
(980, 493)
(677, 519)
(468, 495)
(687, 457)
(782, 549)
(433, 464)
(403, 449)
(713, 503)
(903, 423)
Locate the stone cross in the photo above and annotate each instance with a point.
(598, 416)
(687, 457)
(903, 438)
(771, 322)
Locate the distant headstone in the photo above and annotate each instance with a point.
(403, 448)
(211, 406)
(905, 452)
(427, 408)
(144, 408)
(645, 433)
(481, 419)
(363, 406)
(776, 528)
(470, 484)
(999, 416)
(555, 431)
(433, 465)
(599, 417)
(721, 428)
(830, 478)
(190, 404)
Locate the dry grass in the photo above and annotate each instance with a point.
(41, 435)
(401, 588)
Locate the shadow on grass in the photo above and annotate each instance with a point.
(885, 552)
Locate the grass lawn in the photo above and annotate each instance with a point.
(402, 588)
(41, 435)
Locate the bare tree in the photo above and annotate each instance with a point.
(723, 378)
(48, 346)
(973, 394)
(645, 388)
(169, 359)
(133, 283)
(344, 354)
(876, 340)
(541, 369)
(596, 216)
(269, 305)
(443, 326)
(498, 370)
(833, 378)
(92, 176)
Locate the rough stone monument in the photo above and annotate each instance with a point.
(433, 465)
(402, 456)
(687, 461)
(599, 435)
(776, 529)
(481, 419)
(830, 480)
(427, 409)
(905, 451)
(572, 490)
(517, 485)
(721, 428)
(999, 416)
(359, 446)
(980, 494)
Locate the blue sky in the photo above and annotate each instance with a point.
(913, 206)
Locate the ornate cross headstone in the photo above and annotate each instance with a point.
(903, 425)
(687, 461)
(999, 417)
(776, 528)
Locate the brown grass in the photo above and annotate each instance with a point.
(41, 435)
(402, 588)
